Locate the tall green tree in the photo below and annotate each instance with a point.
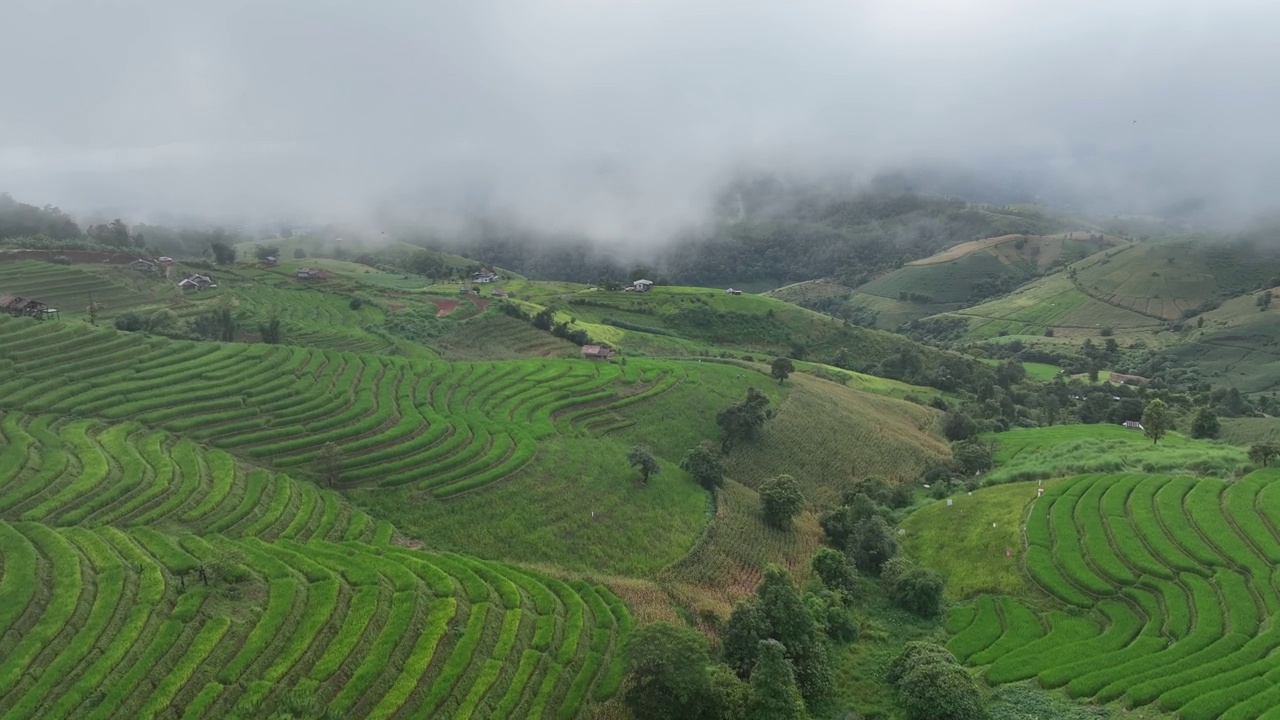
(270, 331)
(781, 368)
(932, 686)
(780, 501)
(642, 459)
(223, 254)
(835, 571)
(704, 464)
(1157, 421)
(743, 420)
(872, 544)
(774, 695)
(262, 252)
(666, 672)
(1205, 425)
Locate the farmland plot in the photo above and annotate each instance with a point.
(1177, 576)
(435, 426)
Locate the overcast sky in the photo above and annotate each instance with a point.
(617, 117)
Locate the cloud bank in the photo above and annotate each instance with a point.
(620, 118)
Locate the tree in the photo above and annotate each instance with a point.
(727, 694)
(743, 420)
(1264, 452)
(330, 463)
(972, 457)
(918, 590)
(790, 623)
(223, 254)
(299, 254)
(270, 331)
(1156, 420)
(958, 426)
(774, 695)
(781, 368)
(872, 544)
(740, 639)
(1205, 425)
(780, 501)
(932, 686)
(92, 310)
(666, 672)
(704, 465)
(835, 570)
(262, 252)
(642, 459)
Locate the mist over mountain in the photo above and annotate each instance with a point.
(623, 121)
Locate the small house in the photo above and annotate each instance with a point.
(18, 306)
(306, 274)
(732, 291)
(271, 259)
(484, 276)
(498, 293)
(196, 281)
(163, 260)
(596, 352)
(1133, 425)
(642, 285)
(143, 265)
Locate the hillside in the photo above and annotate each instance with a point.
(144, 499)
(959, 276)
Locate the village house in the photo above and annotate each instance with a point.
(642, 285)
(18, 306)
(731, 291)
(484, 276)
(498, 293)
(1133, 425)
(143, 265)
(306, 274)
(596, 352)
(196, 281)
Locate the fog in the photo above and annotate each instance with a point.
(620, 119)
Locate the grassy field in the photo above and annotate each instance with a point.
(1046, 452)
(1039, 371)
(71, 288)
(1053, 302)
(1171, 578)
(976, 541)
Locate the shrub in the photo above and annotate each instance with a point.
(780, 501)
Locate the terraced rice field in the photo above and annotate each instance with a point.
(1175, 583)
(312, 317)
(442, 427)
(111, 623)
(71, 288)
(146, 575)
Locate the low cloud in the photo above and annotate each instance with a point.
(620, 118)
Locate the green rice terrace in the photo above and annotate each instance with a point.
(1166, 591)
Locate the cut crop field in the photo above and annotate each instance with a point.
(1173, 581)
(435, 426)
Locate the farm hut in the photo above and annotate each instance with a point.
(1133, 425)
(143, 265)
(642, 285)
(732, 291)
(596, 352)
(498, 293)
(484, 276)
(306, 274)
(163, 260)
(19, 306)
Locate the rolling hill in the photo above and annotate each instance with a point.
(326, 525)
